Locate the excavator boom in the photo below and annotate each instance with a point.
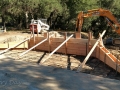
(98, 12)
(112, 21)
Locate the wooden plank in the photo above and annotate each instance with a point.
(77, 51)
(76, 40)
(111, 63)
(93, 41)
(42, 48)
(77, 45)
(55, 43)
(4, 45)
(53, 48)
(44, 43)
(91, 51)
(57, 40)
(11, 44)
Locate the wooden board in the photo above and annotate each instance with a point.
(24, 45)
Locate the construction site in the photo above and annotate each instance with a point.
(58, 61)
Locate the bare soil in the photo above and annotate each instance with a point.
(70, 62)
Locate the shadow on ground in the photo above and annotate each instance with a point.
(18, 75)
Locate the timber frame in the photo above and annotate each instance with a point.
(66, 45)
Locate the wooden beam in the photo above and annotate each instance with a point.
(91, 51)
(56, 49)
(15, 45)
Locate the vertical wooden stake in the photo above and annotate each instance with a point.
(89, 43)
(55, 34)
(49, 42)
(47, 35)
(8, 43)
(28, 44)
(77, 35)
(37, 32)
(33, 35)
(65, 43)
(86, 49)
(24, 45)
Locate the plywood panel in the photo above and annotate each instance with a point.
(20, 46)
(57, 40)
(54, 44)
(73, 40)
(42, 48)
(97, 52)
(14, 43)
(77, 45)
(4, 45)
(76, 52)
(52, 48)
(92, 41)
(111, 63)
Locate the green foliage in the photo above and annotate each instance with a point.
(18, 13)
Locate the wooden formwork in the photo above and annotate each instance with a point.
(11, 44)
(75, 46)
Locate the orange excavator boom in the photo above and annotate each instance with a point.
(98, 12)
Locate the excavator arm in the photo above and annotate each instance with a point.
(98, 12)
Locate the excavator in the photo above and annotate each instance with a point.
(109, 17)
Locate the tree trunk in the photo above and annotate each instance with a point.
(3, 22)
(26, 20)
(19, 23)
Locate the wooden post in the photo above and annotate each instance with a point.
(8, 43)
(33, 35)
(24, 45)
(56, 49)
(37, 32)
(65, 43)
(86, 49)
(87, 57)
(45, 34)
(77, 35)
(89, 41)
(49, 42)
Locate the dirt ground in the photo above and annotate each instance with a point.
(70, 62)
